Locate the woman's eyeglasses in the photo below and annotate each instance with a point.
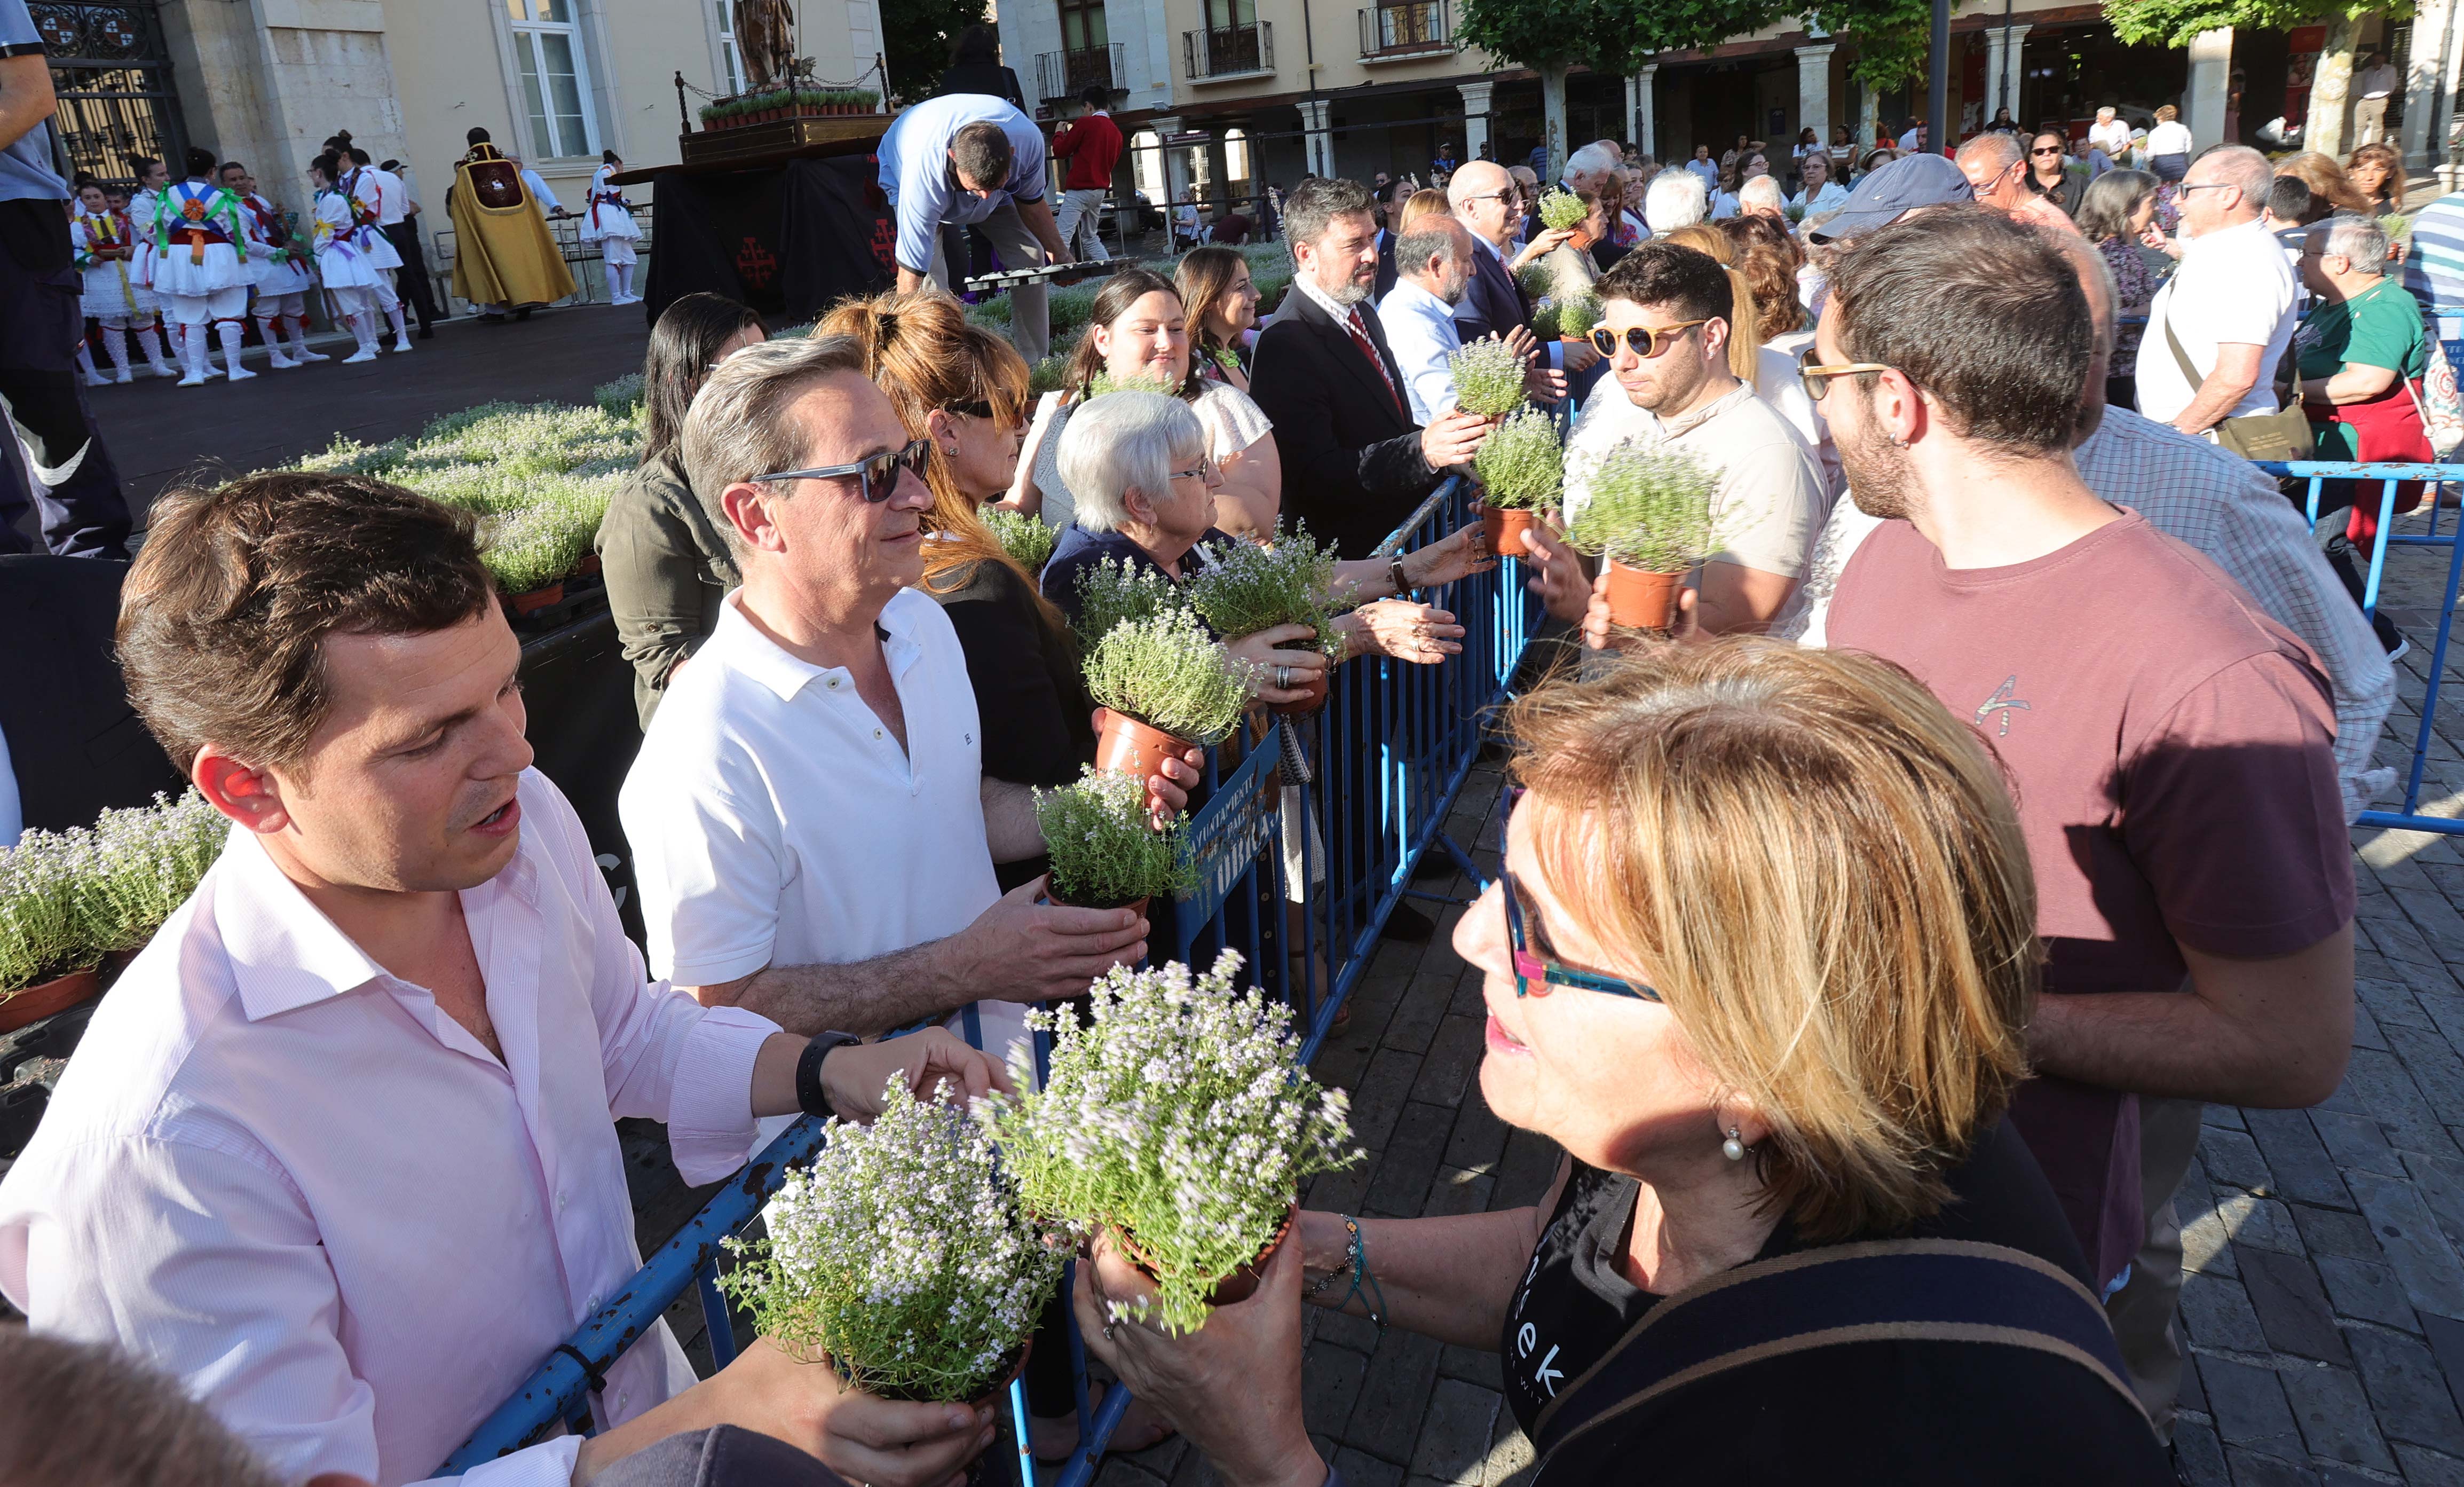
(1204, 468)
(876, 477)
(1533, 973)
(1644, 341)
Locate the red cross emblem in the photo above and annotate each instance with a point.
(754, 265)
(884, 243)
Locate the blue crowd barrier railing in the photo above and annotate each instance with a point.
(1385, 759)
(2388, 477)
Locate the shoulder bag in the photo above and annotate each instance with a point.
(2282, 435)
(1898, 1289)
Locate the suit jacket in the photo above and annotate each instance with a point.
(1493, 303)
(75, 743)
(1352, 469)
(1387, 271)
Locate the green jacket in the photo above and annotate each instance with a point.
(668, 569)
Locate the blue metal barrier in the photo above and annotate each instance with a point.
(1388, 754)
(2388, 475)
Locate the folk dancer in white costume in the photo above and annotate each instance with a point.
(608, 221)
(284, 282)
(364, 190)
(78, 206)
(201, 268)
(106, 247)
(152, 176)
(351, 258)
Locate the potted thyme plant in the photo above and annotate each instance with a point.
(1027, 539)
(1562, 210)
(1650, 516)
(900, 1258)
(1522, 469)
(1165, 685)
(1106, 854)
(1246, 588)
(71, 901)
(1488, 378)
(1576, 315)
(1178, 1119)
(1111, 594)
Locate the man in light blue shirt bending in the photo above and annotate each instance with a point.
(969, 159)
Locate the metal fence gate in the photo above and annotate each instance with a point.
(113, 75)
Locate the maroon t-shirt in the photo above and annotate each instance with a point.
(2171, 747)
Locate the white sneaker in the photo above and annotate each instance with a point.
(281, 363)
(363, 354)
(303, 354)
(402, 346)
(242, 374)
(193, 380)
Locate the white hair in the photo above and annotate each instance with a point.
(2238, 165)
(1761, 191)
(1122, 442)
(1674, 199)
(1593, 158)
(2352, 235)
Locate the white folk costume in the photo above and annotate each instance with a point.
(202, 273)
(609, 223)
(351, 258)
(280, 298)
(366, 194)
(142, 206)
(105, 249)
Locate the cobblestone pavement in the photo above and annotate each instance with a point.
(2325, 1303)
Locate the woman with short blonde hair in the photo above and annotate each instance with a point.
(1423, 204)
(1759, 957)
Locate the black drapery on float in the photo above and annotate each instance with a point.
(789, 240)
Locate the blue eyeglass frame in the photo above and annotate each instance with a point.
(1534, 975)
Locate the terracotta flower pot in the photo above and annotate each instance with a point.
(1641, 600)
(1125, 1272)
(589, 562)
(1316, 699)
(537, 598)
(1504, 527)
(1582, 238)
(41, 1000)
(1052, 894)
(1127, 746)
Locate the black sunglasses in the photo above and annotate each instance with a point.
(877, 477)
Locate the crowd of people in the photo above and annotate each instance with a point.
(1869, 942)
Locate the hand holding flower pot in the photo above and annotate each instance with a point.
(1179, 1117)
(1649, 515)
(1167, 686)
(1522, 471)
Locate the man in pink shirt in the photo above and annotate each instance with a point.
(1997, 166)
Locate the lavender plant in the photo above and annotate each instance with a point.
(1167, 673)
(1246, 587)
(1105, 855)
(1180, 1115)
(901, 1257)
(1488, 378)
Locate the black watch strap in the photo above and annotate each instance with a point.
(810, 1097)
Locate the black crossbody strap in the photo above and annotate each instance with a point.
(1900, 1290)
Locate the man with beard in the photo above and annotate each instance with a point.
(2171, 745)
(1435, 261)
(1665, 318)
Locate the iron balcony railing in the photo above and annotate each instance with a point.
(1397, 31)
(1064, 75)
(1228, 51)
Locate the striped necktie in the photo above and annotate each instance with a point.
(1369, 349)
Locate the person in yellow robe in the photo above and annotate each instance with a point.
(503, 254)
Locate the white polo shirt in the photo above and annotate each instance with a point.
(775, 820)
(2233, 286)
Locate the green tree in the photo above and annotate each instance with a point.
(916, 38)
(2172, 23)
(1612, 36)
(1890, 39)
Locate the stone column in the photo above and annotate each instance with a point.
(2210, 76)
(1475, 97)
(1318, 144)
(2014, 71)
(1997, 89)
(1646, 109)
(1813, 89)
(2421, 90)
(1176, 164)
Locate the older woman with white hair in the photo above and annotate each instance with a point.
(1675, 199)
(1145, 486)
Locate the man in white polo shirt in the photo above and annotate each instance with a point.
(2217, 328)
(812, 832)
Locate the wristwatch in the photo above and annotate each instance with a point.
(1395, 575)
(811, 1098)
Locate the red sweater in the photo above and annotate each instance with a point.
(1092, 146)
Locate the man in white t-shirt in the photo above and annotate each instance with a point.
(2109, 134)
(812, 831)
(2372, 86)
(2228, 310)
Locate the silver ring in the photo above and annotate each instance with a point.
(1107, 1331)
(1283, 678)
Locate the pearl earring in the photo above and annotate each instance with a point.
(1732, 1148)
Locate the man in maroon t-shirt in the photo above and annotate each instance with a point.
(1092, 144)
(2169, 745)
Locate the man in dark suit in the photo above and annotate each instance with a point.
(1390, 227)
(1354, 464)
(1488, 203)
(73, 743)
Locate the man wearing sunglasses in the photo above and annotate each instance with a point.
(1664, 327)
(1997, 166)
(813, 834)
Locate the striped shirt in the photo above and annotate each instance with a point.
(2433, 267)
(2215, 501)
